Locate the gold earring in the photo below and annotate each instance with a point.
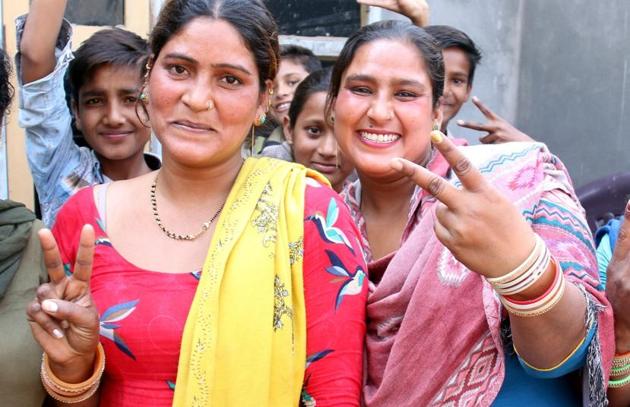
(436, 126)
(147, 69)
(144, 96)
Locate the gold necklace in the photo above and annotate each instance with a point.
(176, 236)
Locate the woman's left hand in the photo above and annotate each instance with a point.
(482, 228)
(416, 10)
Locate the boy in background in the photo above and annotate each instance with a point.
(296, 63)
(461, 57)
(105, 75)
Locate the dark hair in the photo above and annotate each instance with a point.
(302, 56)
(450, 37)
(391, 30)
(318, 81)
(115, 47)
(250, 18)
(6, 89)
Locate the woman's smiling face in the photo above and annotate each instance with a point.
(204, 98)
(384, 108)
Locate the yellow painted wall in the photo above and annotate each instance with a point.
(137, 18)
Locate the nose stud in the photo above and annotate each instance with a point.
(210, 105)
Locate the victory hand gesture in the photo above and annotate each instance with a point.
(497, 128)
(63, 317)
(416, 10)
(481, 228)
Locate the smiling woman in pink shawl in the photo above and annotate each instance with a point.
(484, 287)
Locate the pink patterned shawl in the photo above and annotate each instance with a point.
(434, 327)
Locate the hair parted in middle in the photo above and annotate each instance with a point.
(426, 45)
(318, 81)
(250, 18)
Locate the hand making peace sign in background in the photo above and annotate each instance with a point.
(499, 130)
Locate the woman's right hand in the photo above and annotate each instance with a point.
(618, 285)
(63, 317)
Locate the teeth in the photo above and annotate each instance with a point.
(379, 138)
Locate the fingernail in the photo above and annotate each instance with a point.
(396, 164)
(475, 98)
(460, 122)
(57, 333)
(50, 306)
(437, 136)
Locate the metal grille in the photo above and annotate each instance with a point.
(96, 12)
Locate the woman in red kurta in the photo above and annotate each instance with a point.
(138, 293)
(142, 312)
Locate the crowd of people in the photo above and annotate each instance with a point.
(309, 236)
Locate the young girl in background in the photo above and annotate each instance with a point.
(310, 133)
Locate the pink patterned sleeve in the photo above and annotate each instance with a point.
(335, 286)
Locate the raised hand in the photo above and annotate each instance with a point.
(481, 228)
(416, 10)
(618, 285)
(63, 317)
(499, 130)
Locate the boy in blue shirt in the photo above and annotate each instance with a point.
(105, 76)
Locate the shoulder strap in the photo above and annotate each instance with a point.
(100, 200)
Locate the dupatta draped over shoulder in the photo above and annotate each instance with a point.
(434, 327)
(244, 341)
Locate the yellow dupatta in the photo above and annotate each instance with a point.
(244, 343)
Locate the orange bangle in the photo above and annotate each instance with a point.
(73, 392)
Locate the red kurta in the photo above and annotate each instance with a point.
(143, 312)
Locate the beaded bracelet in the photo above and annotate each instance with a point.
(621, 360)
(618, 371)
(73, 392)
(619, 383)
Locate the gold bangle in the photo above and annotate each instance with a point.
(73, 392)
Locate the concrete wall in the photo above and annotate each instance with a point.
(559, 70)
(574, 87)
